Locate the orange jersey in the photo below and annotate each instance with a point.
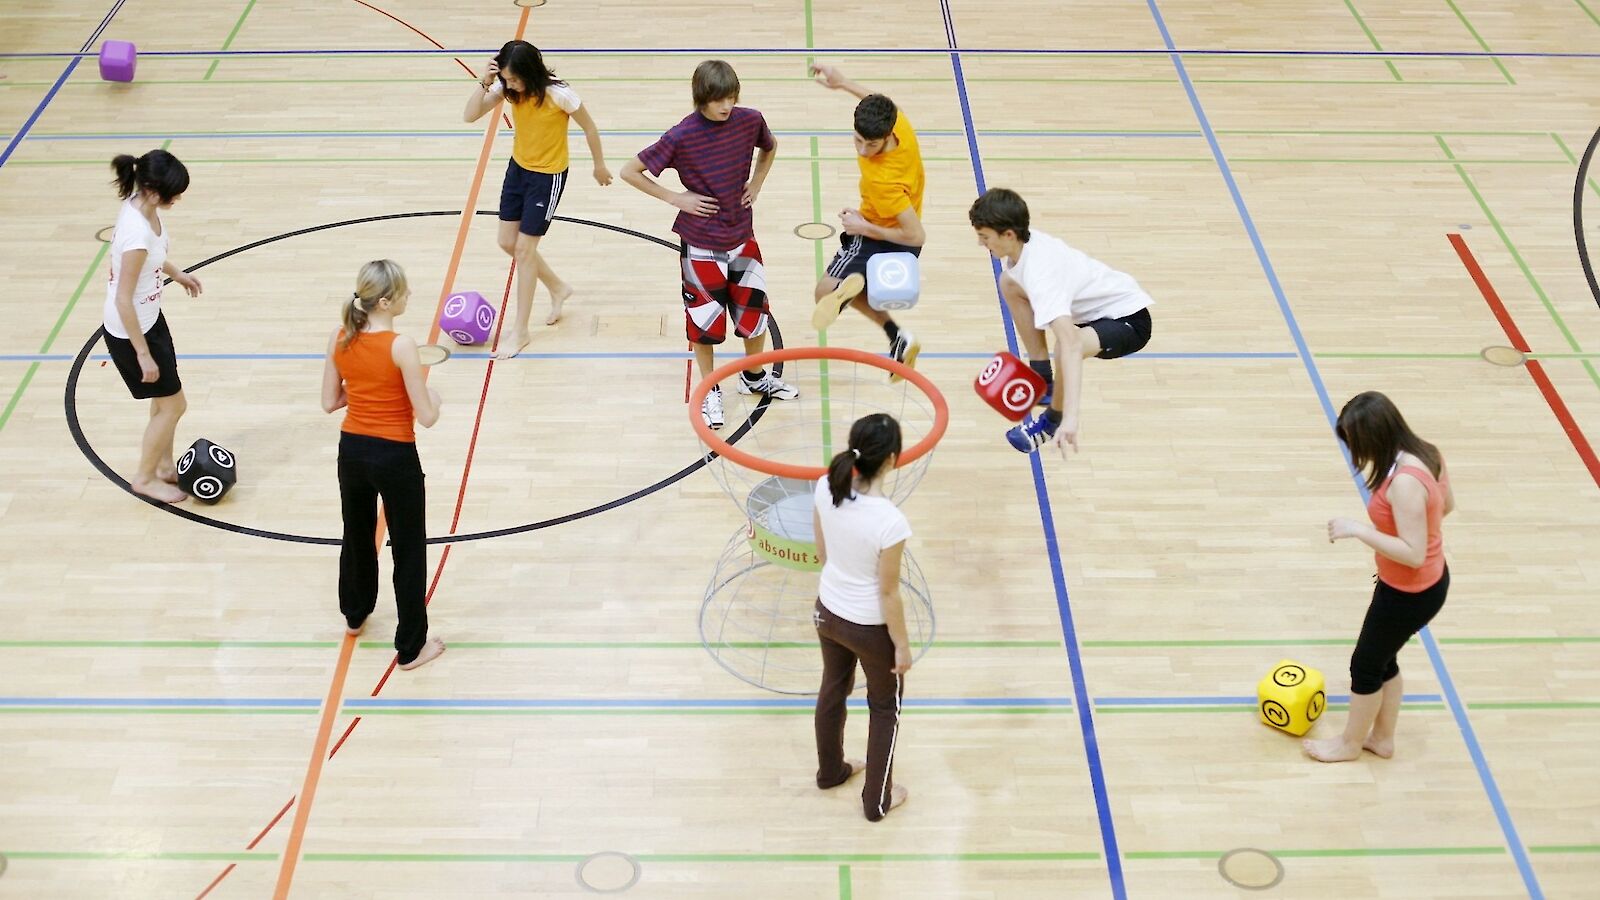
(892, 181)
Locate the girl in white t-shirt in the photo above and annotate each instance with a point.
(136, 331)
(859, 615)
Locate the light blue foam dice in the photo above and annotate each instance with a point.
(893, 281)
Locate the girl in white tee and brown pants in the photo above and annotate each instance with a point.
(859, 616)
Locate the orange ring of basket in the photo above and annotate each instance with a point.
(941, 411)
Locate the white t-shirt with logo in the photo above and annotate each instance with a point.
(855, 533)
(1064, 281)
(133, 232)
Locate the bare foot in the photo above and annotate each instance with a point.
(159, 490)
(1383, 749)
(510, 348)
(898, 795)
(856, 767)
(556, 300)
(170, 476)
(430, 652)
(1331, 750)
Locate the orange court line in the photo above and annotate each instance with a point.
(330, 705)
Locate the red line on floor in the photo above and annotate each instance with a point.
(1535, 369)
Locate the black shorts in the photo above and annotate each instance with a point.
(530, 198)
(855, 250)
(159, 340)
(1120, 337)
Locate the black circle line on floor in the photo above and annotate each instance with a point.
(73, 425)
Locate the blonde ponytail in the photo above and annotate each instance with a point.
(379, 279)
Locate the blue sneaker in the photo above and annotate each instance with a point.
(1032, 433)
(1049, 393)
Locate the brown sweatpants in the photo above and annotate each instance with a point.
(843, 644)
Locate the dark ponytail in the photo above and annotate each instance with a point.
(873, 440)
(157, 171)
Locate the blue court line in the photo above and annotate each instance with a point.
(869, 51)
(506, 135)
(1230, 701)
(1069, 632)
(176, 702)
(1446, 683)
(15, 139)
(669, 355)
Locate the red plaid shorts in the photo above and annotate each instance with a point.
(715, 281)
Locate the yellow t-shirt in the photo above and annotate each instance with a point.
(540, 140)
(893, 181)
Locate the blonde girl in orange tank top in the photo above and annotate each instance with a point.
(1410, 497)
(375, 375)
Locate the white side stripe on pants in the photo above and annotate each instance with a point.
(888, 764)
(556, 184)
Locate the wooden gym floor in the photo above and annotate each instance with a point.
(1308, 189)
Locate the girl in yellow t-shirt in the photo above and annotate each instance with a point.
(541, 105)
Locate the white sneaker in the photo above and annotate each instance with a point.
(770, 386)
(711, 408)
(904, 349)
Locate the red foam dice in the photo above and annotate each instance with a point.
(1009, 385)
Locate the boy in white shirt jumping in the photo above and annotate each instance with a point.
(1091, 308)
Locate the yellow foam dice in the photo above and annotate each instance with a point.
(1291, 697)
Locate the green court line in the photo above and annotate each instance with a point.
(1587, 11)
(1481, 43)
(139, 854)
(792, 80)
(231, 35)
(1087, 132)
(481, 711)
(27, 377)
(1194, 160)
(1238, 708)
(1573, 159)
(1373, 38)
(816, 258)
(1335, 853)
(1566, 848)
(845, 888)
(1527, 272)
(694, 645)
(839, 858)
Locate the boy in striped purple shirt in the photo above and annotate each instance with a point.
(722, 270)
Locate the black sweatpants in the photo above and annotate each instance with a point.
(1392, 618)
(843, 643)
(370, 468)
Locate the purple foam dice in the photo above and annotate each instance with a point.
(467, 318)
(117, 60)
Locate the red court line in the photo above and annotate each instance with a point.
(1535, 369)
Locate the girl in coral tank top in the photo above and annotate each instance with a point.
(376, 376)
(1410, 498)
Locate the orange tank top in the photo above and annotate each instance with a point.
(379, 405)
(1397, 575)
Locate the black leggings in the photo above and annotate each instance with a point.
(1392, 618)
(370, 468)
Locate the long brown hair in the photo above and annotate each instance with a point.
(873, 439)
(1373, 429)
(378, 279)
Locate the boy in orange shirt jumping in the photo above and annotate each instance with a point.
(889, 218)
